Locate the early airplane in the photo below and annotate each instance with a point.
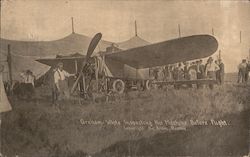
(117, 70)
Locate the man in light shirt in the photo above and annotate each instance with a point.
(210, 70)
(61, 82)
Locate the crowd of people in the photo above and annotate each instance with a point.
(192, 71)
(243, 73)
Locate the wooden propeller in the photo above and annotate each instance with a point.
(94, 42)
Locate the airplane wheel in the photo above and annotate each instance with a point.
(118, 86)
(148, 85)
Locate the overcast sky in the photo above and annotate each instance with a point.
(156, 20)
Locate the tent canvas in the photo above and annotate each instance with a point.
(24, 53)
(133, 42)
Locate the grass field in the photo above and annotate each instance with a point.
(36, 129)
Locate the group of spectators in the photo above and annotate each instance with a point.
(244, 69)
(192, 71)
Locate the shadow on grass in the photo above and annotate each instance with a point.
(212, 140)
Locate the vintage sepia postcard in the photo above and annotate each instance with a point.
(126, 78)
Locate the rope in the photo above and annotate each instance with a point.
(24, 56)
(14, 53)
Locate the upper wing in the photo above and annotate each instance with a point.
(69, 63)
(167, 52)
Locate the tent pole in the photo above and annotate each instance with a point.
(240, 36)
(179, 29)
(9, 64)
(76, 71)
(219, 54)
(249, 55)
(72, 25)
(135, 28)
(76, 68)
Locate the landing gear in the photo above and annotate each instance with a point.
(118, 86)
(148, 85)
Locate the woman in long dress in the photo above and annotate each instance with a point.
(4, 102)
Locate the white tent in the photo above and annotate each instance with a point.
(24, 53)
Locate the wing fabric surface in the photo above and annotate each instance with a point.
(69, 63)
(167, 52)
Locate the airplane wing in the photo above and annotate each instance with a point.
(167, 52)
(69, 63)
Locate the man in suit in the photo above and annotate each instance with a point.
(247, 71)
(242, 71)
(200, 71)
(221, 72)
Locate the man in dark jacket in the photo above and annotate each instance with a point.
(242, 71)
(200, 70)
(247, 71)
(221, 71)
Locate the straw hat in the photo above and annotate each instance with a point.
(210, 59)
(59, 64)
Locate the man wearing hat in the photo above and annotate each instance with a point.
(221, 71)
(242, 71)
(61, 84)
(210, 70)
(200, 68)
(185, 69)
